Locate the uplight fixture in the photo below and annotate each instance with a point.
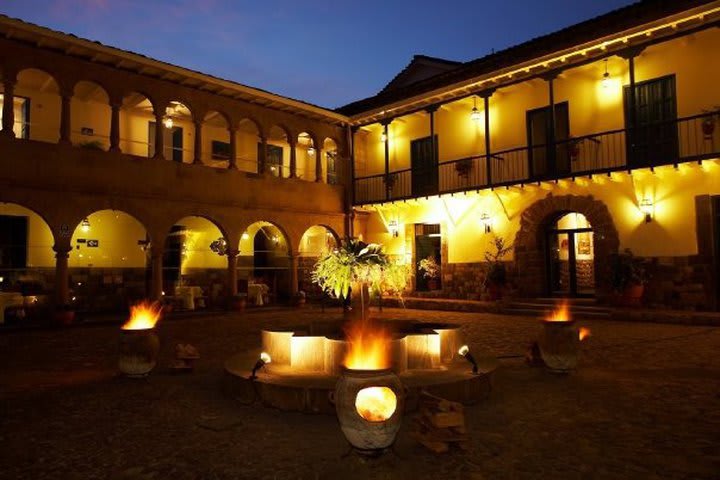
(85, 225)
(262, 361)
(606, 76)
(646, 207)
(464, 351)
(475, 114)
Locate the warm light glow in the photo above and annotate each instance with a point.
(376, 404)
(85, 225)
(265, 357)
(486, 222)
(646, 207)
(475, 115)
(383, 137)
(143, 316)
(560, 314)
(245, 235)
(168, 122)
(463, 350)
(368, 346)
(583, 333)
(311, 150)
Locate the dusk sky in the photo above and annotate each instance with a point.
(327, 52)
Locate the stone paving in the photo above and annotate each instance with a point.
(644, 404)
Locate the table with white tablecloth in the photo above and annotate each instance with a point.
(9, 299)
(191, 297)
(256, 291)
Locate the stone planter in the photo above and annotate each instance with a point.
(369, 435)
(138, 352)
(559, 345)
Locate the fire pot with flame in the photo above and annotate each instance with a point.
(139, 343)
(559, 340)
(369, 396)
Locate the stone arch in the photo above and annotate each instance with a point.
(529, 241)
(328, 229)
(34, 84)
(90, 115)
(265, 257)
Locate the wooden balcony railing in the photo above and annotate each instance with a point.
(686, 139)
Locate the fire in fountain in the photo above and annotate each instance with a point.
(560, 339)
(139, 343)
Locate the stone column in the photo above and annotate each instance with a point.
(318, 164)
(156, 277)
(293, 274)
(197, 160)
(62, 284)
(8, 110)
(232, 165)
(262, 161)
(65, 118)
(115, 126)
(232, 271)
(159, 137)
(293, 158)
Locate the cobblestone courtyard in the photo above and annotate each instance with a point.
(644, 404)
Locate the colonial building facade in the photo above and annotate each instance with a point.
(124, 177)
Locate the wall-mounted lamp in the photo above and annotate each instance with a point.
(393, 227)
(383, 137)
(168, 122)
(486, 222)
(465, 352)
(647, 207)
(475, 114)
(264, 359)
(85, 225)
(606, 77)
(311, 149)
(245, 236)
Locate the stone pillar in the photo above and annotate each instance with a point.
(232, 271)
(293, 274)
(115, 126)
(8, 111)
(156, 277)
(318, 164)
(65, 118)
(62, 284)
(159, 137)
(197, 160)
(262, 161)
(293, 158)
(232, 165)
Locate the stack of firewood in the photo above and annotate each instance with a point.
(440, 423)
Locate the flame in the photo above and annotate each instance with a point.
(560, 314)
(583, 333)
(143, 316)
(376, 404)
(368, 346)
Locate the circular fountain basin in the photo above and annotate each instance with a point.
(307, 361)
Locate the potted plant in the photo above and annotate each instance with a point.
(299, 298)
(64, 315)
(708, 123)
(494, 268)
(92, 145)
(629, 277)
(430, 271)
(390, 180)
(238, 302)
(349, 272)
(463, 167)
(574, 148)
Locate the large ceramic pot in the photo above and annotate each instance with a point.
(369, 431)
(632, 295)
(559, 345)
(138, 352)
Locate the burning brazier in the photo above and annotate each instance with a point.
(139, 344)
(369, 396)
(560, 339)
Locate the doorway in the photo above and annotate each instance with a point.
(548, 156)
(172, 140)
(424, 166)
(428, 257)
(570, 256)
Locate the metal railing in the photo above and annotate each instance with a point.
(692, 138)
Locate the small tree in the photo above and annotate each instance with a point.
(494, 267)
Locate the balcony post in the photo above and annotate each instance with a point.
(488, 157)
(159, 137)
(318, 164)
(293, 157)
(232, 165)
(62, 287)
(262, 160)
(66, 95)
(630, 55)
(551, 148)
(198, 150)
(115, 106)
(350, 185)
(385, 124)
(8, 110)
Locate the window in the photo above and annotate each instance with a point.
(220, 150)
(22, 116)
(331, 156)
(274, 161)
(13, 241)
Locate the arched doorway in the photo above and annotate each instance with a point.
(316, 242)
(570, 257)
(264, 263)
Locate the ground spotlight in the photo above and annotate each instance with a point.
(465, 352)
(264, 358)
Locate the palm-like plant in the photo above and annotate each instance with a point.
(355, 262)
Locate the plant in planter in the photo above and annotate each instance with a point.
(389, 180)
(64, 315)
(430, 271)
(349, 273)
(238, 302)
(494, 268)
(93, 145)
(463, 167)
(709, 121)
(299, 298)
(574, 148)
(629, 277)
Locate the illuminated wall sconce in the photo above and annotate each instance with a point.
(606, 77)
(85, 225)
(168, 122)
(647, 207)
(393, 227)
(311, 150)
(245, 236)
(486, 222)
(475, 114)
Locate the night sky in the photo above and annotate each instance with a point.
(325, 52)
